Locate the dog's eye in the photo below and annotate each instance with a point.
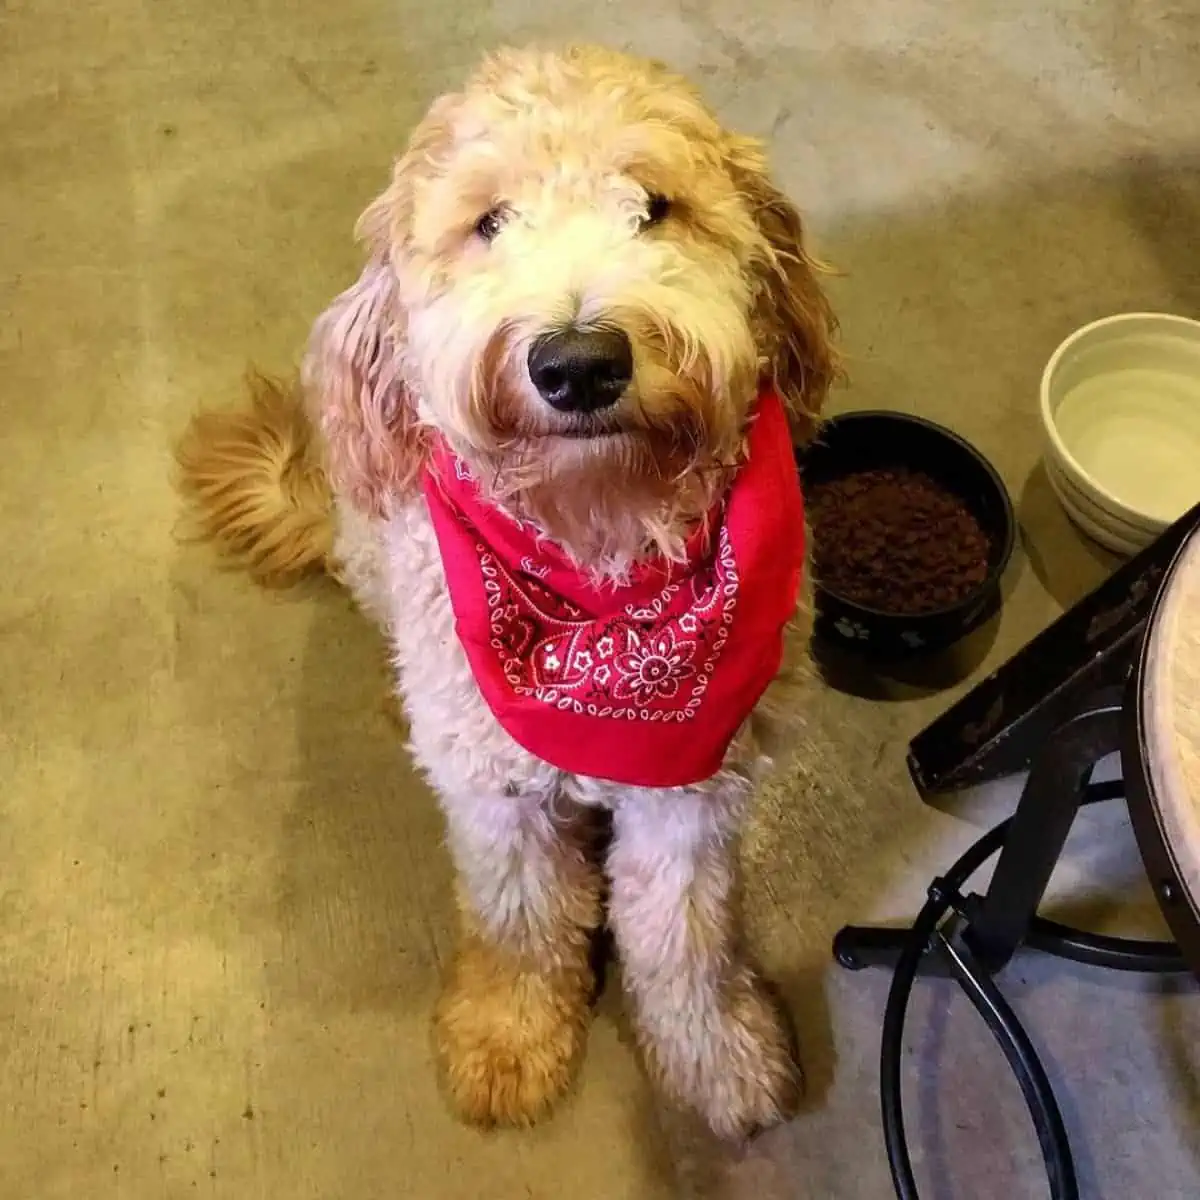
(658, 209)
(490, 224)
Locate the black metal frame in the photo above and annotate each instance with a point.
(972, 937)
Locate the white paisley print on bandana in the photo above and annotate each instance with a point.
(650, 662)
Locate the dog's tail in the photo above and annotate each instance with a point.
(253, 485)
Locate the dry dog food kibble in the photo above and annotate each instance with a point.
(895, 540)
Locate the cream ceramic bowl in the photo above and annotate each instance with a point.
(1121, 414)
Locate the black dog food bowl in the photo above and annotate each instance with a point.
(863, 441)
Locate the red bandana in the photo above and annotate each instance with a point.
(643, 683)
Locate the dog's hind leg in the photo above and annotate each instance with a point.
(253, 485)
(710, 1031)
(512, 1021)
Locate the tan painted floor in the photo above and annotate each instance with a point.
(223, 900)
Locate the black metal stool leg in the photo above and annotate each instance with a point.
(859, 946)
(1052, 796)
(1034, 840)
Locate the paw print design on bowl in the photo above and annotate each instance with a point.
(852, 631)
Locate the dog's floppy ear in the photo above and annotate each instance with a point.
(353, 378)
(794, 323)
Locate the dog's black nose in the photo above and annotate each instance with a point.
(581, 370)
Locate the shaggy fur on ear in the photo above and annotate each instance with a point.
(354, 372)
(353, 377)
(794, 322)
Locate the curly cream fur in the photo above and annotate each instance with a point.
(567, 147)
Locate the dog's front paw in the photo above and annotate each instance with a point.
(509, 1041)
(740, 1072)
(767, 1081)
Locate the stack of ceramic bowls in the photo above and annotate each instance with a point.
(1121, 414)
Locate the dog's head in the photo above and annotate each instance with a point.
(580, 281)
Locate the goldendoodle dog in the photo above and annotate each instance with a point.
(546, 440)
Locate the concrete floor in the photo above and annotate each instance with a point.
(224, 903)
